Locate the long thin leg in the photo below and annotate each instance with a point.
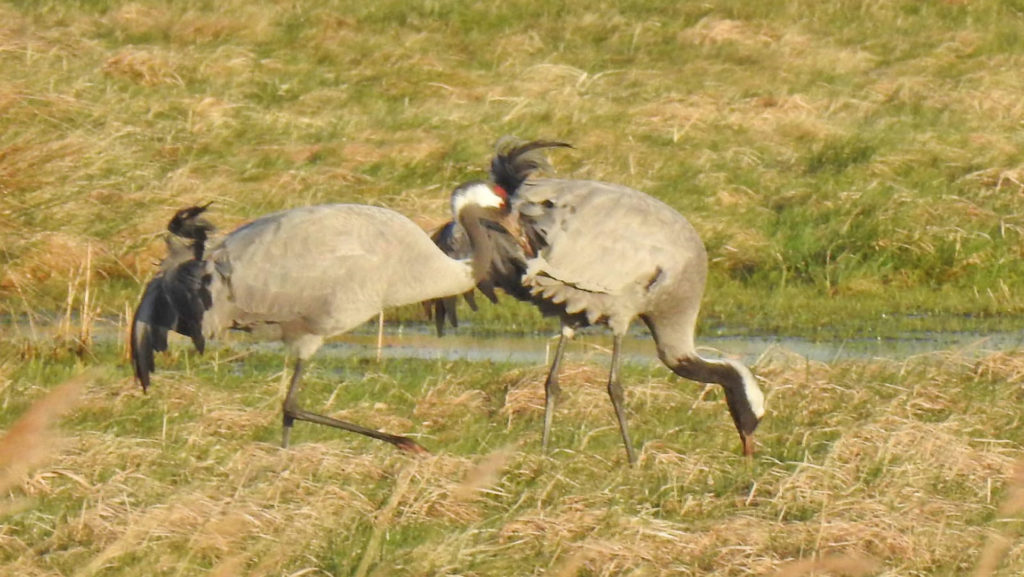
(552, 390)
(291, 412)
(290, 401)
(615, 392)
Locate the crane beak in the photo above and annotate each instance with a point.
(748, 444)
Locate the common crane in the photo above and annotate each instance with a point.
(597, 253)
(300, 275)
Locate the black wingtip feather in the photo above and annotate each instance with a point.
(438, 306)
(143, 339)
(470, 300)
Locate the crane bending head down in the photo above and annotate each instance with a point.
(592, 252)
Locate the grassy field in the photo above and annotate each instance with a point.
(865, 467)
(862, 157)
(855, 169)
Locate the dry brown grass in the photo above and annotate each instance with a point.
(1000, 542)
(851, 565)
(899, 117)
(895, 491)
(31, 440)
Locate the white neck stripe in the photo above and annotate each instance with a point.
(750, 389)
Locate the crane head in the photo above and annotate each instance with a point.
(478, 193)
(746, 404)
(189, 223)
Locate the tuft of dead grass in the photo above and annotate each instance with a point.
(583, 387)
(852, 565)
(524, 393)
(146, 67)
(449, 401)
(1011, 515)
(140, 20)
(712, 30)
(30, 441)
(484, 475)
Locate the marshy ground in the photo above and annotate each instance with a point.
(855, 169)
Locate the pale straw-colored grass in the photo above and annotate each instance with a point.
(740, 116)
(895, 490)
(31, 440)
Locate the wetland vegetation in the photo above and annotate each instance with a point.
(855, 169)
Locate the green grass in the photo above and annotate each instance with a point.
(838, 151)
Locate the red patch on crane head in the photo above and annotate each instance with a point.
(500, 192)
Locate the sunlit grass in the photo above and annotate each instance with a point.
(840, 151)
(903, 466)
(855, 169)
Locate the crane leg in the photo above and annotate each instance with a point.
(618, 398)
(291, 402)
(552, 391)
(292, 412)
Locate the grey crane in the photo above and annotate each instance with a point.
(299, 275)
(598, 253)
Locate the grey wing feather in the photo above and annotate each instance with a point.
(580, 228)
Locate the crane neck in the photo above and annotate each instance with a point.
(470, 218)
(743, 396)
(673, 335)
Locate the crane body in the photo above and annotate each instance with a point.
(300, 275)
(592, 253)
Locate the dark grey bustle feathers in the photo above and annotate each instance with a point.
(177, 297)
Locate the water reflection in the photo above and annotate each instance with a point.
(595, 346)
(417, 340)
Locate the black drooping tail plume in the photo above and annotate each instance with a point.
(178, 295)
(454, 241)
(514, 161)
